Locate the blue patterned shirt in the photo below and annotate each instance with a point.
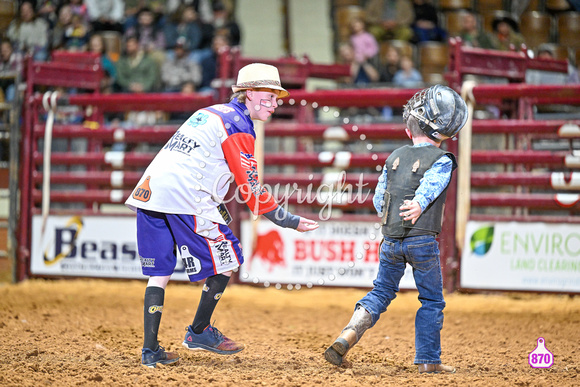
(432, 184)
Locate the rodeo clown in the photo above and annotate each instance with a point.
(180, 209)
(410, 198)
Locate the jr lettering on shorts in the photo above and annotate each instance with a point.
(192, 264)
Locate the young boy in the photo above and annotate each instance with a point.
(410, 197)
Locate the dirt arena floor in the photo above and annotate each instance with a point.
(87, 332)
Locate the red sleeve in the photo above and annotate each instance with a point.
(239, 152)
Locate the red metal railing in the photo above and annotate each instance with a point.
(109, 177)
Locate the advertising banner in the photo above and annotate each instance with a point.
(338, 253)
(88, 246)
(521, 256)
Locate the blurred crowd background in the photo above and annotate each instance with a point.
(172, 46)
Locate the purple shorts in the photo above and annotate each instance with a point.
(205, 248)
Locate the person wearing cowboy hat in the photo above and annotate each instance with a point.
(506, 35)
(181, 212)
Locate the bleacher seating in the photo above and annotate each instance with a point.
(7, 13)
(433, 58)
(556, 6)
(533, 5)
(484, 6)
(569, 29)
(345, 3)
(452, 22)
(536, 27)
(405, 48)
(343, 17)
(455, 5)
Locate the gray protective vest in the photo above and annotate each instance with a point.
(405, 168)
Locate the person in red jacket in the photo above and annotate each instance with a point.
(181, 212)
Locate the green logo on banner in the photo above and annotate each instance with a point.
(481, 240)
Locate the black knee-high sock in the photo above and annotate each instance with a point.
(152, 309)
(212, 291)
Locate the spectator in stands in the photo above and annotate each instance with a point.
(106, 15)
(364, 44)
(62, 25)
(210, 66)
(70, 33)
(390, 19)
(408, 76)
(199, 35)
(391, 64)
(361, 73)
(132, 8)
(506, 33)
(389, 67)
(426, 24)
(48, 10)
(80, 8)
(28, 33)
(97, 45)
(179, 69)
(224, 23)
(472, 35)
(539, 77)
(149, 34)
(10, 68)
(136, 71)
(183, 24)
(78, 35)
(207, 34)
(203, 8)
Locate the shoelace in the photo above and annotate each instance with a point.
(217, 334)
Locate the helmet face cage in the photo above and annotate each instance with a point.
(415, 104)
(439, 110)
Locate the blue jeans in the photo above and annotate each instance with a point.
(422, 253)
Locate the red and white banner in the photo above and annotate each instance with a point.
(338, 253)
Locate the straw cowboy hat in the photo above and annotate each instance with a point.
(258, 75)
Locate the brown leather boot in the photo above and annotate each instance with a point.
(340, 347)
(436, 369)
(360, 321)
